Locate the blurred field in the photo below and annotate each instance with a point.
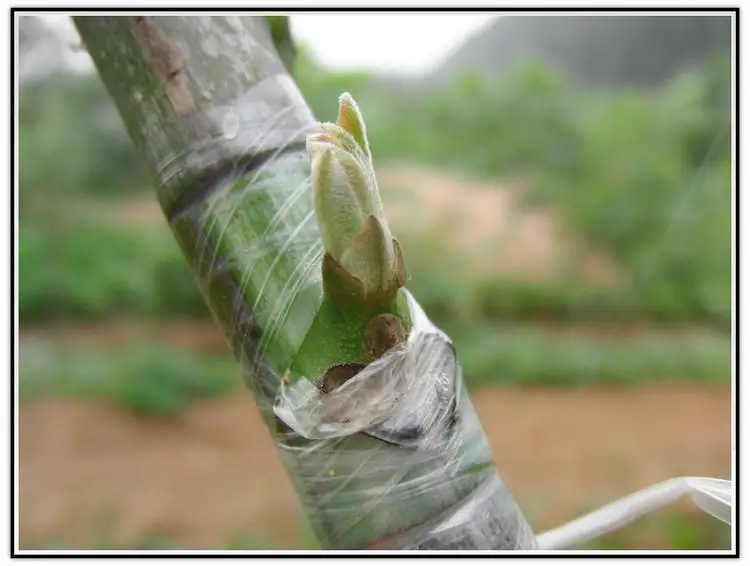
(575, 245)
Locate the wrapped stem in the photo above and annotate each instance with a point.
(395, 457)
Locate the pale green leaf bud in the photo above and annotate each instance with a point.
(364, 261)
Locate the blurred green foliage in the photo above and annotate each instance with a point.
(653, 186)
(668, 530)
(644, 174)
(156, 380)
(152, 380)
(72, 142)
(92, 270)
(523, 355)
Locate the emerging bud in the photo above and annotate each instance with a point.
(363, 262)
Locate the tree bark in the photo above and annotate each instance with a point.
(221, 127)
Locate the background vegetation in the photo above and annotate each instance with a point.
(645, 174)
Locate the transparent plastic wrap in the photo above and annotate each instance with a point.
(398, 450)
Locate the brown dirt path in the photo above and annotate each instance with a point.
(489, 224)
(213, 474)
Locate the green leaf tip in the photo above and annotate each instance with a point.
(350, 119)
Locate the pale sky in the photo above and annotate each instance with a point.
(384, 42)
(394, 43)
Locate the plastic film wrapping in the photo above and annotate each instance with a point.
(396, 457)
(398, 450)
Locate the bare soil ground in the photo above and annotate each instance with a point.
(213, 474)
(198, 336)
(490, 224)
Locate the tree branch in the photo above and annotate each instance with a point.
(222, 128)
